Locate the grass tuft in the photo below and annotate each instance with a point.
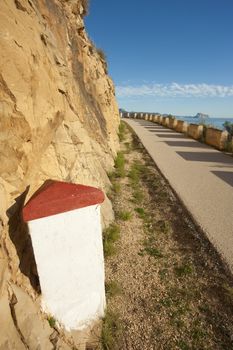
(113, 289)
(135, 172)
(52, 321)
(120, 165)
(137, 197)
(183, 345)
(128, 147)
(141, 212)
(110, 236)
(121, 132)
(228, 292)
(163, 226)
(134, 175)
(156, 253)
(183, 270)
(198, 333)
(124, 215)
(110, 331)
(116, 187)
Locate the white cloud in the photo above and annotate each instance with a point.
(175, 90)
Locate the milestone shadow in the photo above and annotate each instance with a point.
(19, 235)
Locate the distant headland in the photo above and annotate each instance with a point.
(201, 115)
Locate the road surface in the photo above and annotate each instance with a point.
(201, 176)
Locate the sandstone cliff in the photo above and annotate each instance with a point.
(58, 119)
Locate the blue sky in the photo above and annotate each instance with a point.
(167, 56)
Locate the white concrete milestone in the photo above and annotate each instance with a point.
(69, 256)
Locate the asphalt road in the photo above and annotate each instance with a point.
(201, 176)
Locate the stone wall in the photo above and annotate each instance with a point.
(172, 123)
(216, 138)
(213, 137)
(181, 126)
(195, 131)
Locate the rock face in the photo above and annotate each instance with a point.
(58, 119)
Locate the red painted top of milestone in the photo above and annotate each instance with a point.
(55, 197)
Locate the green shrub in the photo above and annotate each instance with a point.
(229, 127)
(229, 146)
(170, 116)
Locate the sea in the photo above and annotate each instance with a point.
(214, 122)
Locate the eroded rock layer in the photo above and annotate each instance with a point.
(58, 120)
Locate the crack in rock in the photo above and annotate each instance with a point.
(12, 304)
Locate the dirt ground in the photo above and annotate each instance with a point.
(166, 286)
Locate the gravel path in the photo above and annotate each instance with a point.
(175, 292)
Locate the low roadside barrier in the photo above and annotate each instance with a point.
(195, 131)
(219, 139)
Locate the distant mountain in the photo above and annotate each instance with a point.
(201, 116)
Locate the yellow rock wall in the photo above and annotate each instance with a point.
(58, 119)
